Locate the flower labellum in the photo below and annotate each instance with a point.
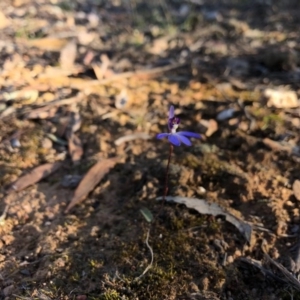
(174, 137)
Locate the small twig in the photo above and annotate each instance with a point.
(152, 257)
(131, 137)
(289, 278)
(137, 73)
(3, 216)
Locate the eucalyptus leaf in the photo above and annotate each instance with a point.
(56, 139)
(147, 214)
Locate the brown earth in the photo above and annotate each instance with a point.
(223, 56)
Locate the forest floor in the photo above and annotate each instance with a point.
(85, 88)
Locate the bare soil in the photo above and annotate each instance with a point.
(223, 54)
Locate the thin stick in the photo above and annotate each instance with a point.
(167, 173)
(137, 73)
(152, 257)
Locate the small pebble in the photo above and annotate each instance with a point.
(230, 259)
(295, 229)
(46, 143)
(8, 290)
(201, 190)
(15, 143)
(237, 253)
(25, 272)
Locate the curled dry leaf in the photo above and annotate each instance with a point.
(90, 180)
(34, 176)
(75, 147)
(204, 207)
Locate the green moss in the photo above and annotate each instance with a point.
(271, 120)
(110, 294)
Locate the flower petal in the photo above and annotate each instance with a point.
(184, 139)
(173, 139)
(171, 112)
(189, 134)
(162, 135)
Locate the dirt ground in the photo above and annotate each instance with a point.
(86, 81)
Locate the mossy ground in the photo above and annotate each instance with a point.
(98, 250)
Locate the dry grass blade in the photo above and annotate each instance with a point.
(146, 73)
(90, 180)
(289, 278)
(75, 123)
(47, 44)
(34, 176)
(257, 264)
(131, 137)
(66, 101)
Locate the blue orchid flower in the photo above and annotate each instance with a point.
(176, 138)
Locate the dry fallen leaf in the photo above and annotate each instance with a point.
(90, 180)
(282, 146)
(68, 56)
(226, 114)
(204, 207)
(34, 176)
(4, 22)
(75, 148)
(102, 69)
(211, 126)
(281, 99)
(42, 113)
(25, 96)
(47, 44)
(131, 137)
(296, 189)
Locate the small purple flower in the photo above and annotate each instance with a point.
(174, 137)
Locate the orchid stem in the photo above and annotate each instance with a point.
(167, 173)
